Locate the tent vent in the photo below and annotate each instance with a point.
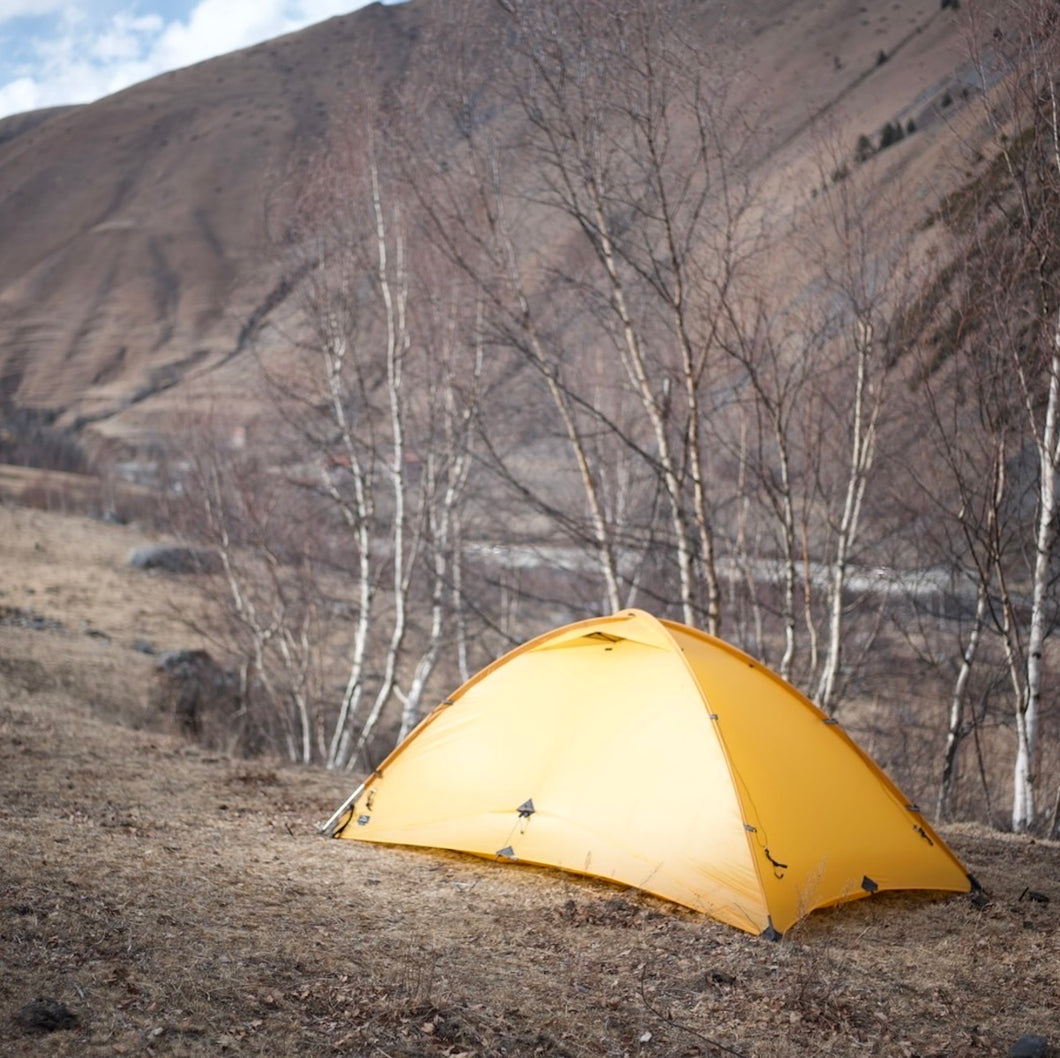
(868, 884)
(362, 820)
(507, 853)
(831, 721)
(526, 809)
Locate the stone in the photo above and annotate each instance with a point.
(46, 1015)
(1029, 1046)
(191, 687)
(171, 558)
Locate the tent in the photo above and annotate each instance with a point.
(649, 753)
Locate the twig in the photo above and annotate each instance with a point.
(719, 1048)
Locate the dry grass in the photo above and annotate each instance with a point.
(181, 903)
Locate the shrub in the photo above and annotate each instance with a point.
(891, 134)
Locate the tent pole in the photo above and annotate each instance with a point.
(327, 829)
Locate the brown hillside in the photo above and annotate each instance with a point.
(134, 260)
(133, 248)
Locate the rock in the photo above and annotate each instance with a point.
(170, 558)
(1029, 1046)
(191, 686)
(19, 618)
(46, 1015)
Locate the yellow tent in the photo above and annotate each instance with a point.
(649, 753)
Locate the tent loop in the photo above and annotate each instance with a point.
(923, 833)
(778, 867)
(525, 810)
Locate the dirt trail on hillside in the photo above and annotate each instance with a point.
(176, 902)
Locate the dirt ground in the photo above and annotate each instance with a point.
(156, 898)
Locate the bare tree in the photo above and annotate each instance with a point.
(268, 609)
(860, 277)
(606, 265)
(992, 378)
(1016, 240)
(348, 561)
(412, 527)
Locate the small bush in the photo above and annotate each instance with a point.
(30, 438)
(196, 694)
(891, 134)
(169, 558)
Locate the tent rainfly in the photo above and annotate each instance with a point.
(651, 754)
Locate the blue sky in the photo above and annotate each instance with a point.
(56, 51)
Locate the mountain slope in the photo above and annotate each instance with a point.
(135, 258)
(134, 245)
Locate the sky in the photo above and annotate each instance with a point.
(54, 52)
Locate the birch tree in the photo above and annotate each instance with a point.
(342, 555)
(998, 352)
(392, 413)
(618, 244)
(859, 277)
(1017, 240)
(268, 609)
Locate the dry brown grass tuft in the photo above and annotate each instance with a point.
(177, 902)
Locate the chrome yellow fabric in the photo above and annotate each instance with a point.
(651, 754)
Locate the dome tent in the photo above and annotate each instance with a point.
(651, 754)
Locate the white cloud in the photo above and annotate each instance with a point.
(218, 26)
(83, 53)
(10, 9)
(123, 39)
(21, 94)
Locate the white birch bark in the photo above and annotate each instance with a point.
(865, 417)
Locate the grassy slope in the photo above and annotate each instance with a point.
(181, 903)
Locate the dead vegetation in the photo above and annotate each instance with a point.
(160, 898)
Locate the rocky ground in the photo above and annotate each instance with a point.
(159, 898)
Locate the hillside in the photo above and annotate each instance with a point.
(135, 245)
(138, 255)
(176, 901)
